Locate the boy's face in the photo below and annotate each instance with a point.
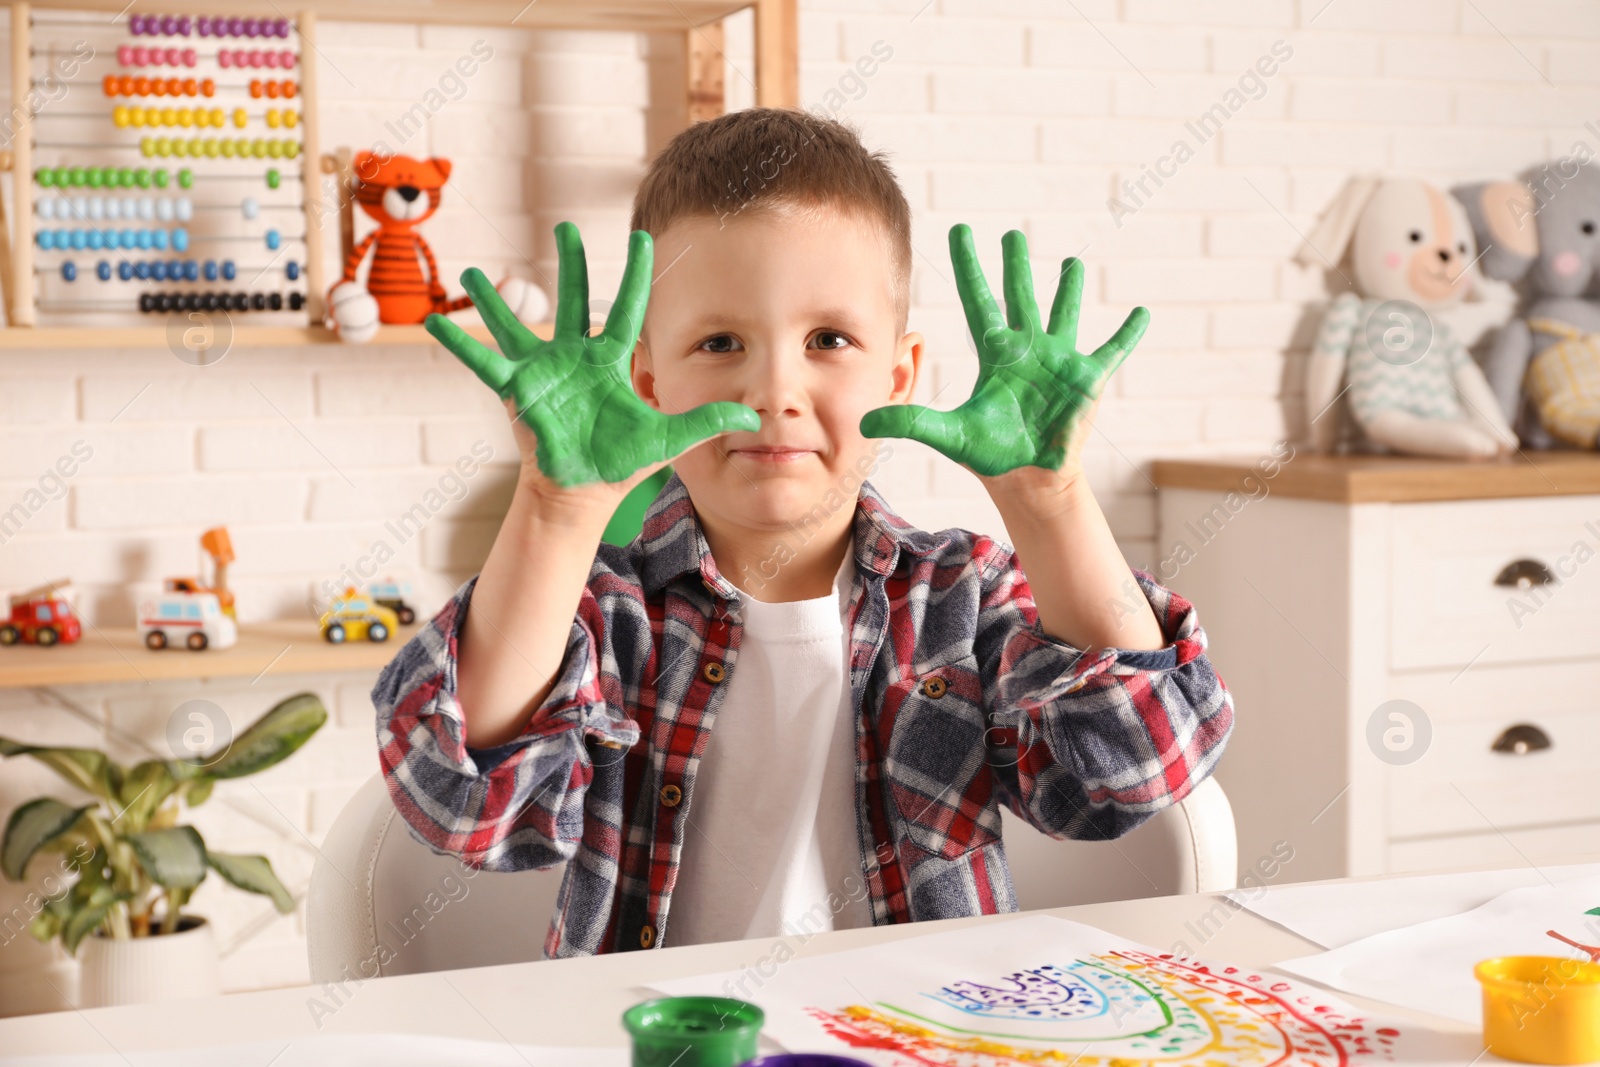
(793, 313)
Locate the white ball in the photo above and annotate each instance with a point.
(185, 208)
(147, 208)
(46, 207)
(250, 207)
(97, 207)
(526, 300)
(354, 313)
(164, 209)
(114, 208)
(80, 207)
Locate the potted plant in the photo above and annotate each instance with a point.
(129, 854)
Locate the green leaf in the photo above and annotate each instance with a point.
(88, 916)
(252, 873)
(45, 925)
(197, 791)
(143, 790)
(1593, 911)
(86, 768)
(175, 857)
(33, 826)
(270, 739)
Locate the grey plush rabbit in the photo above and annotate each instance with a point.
(1546, 236)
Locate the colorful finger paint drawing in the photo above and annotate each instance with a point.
(1038, 991)
(1186, 1014)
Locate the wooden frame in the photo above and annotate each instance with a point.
(777, 85)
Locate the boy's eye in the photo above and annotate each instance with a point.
(722, 342)
(830, 340)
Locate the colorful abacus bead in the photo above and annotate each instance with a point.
(102, 270)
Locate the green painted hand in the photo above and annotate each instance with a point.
(574, 390)
(1034, 386)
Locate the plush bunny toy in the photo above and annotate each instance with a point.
(1549, 240)
(1412, 385)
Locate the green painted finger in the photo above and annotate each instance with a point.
(683, 432)
(633, 295)
(1022, 310)
(977, 301)
(943, 430)
(572, 283)
(492, 369)
(508, 331)
(1069, 299)
(1111, 354)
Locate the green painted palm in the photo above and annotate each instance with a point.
(1034, 386)
(574, 390)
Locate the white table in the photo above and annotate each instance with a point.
(579, 1002)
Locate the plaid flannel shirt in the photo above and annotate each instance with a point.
(962, 704)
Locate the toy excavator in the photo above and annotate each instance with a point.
(219, 547)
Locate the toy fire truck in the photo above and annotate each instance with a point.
(42, 616)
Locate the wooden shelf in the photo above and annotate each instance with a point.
(567, 14)
(1393, 479)
(72, 337)
(113, 655)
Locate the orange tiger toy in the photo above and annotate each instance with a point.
(400, 193)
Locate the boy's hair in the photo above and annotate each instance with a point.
(765, 157)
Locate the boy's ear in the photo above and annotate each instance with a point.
(643, 375)
(907, 368)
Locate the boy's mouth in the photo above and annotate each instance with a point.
(771, 453)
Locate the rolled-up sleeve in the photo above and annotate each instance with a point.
(1091, 745)
(515, 806)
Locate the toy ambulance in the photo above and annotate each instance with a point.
(194, 620)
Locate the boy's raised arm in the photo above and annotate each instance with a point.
(586, 439)
(1022, 432)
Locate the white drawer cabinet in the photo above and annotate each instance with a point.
(1343, 591)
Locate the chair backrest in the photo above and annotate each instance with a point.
(383, 903)
(1190, 847)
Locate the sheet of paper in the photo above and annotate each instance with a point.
(1429, 966)
(345, 1050)
(1337, 914)
(1042, 989)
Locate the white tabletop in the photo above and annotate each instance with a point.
(579, 1002)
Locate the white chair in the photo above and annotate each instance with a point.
(1187, 848)
(377, 888)
(375, 885)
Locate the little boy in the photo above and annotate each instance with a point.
(782, 700)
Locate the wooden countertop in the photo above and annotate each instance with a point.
(117, 655)
(1394, 479)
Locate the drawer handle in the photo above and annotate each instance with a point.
(1521, 739)
(1524, 574)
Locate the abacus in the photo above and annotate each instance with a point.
(182, 150)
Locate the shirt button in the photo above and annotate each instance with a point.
(671, 795)
(647, 936)
(713, 673)
(934, 688)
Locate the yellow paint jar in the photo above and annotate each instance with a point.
(1541, 1009)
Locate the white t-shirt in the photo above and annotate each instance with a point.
(772, 822)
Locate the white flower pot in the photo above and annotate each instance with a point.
(145, 970)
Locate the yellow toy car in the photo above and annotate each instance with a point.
(355, 616)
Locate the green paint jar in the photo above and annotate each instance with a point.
(693, 1032)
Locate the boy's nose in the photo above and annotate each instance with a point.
(777, 387)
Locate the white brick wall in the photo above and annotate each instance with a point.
(1001, 113)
